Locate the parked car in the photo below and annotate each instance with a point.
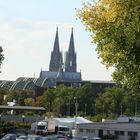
(60, 137)
(48, 138)
(9, 136)
(34, 137)
(96, 138)
(84, 138)
(22, 138)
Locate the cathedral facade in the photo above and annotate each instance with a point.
(59, 69)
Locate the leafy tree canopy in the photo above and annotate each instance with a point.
(115, 28)
(1, 55)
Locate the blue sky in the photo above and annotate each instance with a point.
(27, 31)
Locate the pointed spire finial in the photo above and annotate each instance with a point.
(72, 29)
(57, 28)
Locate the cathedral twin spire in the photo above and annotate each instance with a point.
(70, 62)
(56, 62)
(56, 55)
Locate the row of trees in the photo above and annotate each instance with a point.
(61, 101)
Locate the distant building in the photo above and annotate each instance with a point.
(60, 70)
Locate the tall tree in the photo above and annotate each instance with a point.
(110, 102)
(1, 56)
(49, 96)
(2, 93)
(115, 28)
(86, 99)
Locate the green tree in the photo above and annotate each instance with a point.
(110, 102)
(29, 102)
(49, 97)
(115, 28)
(131, 103)
(60, 100)
(1, 56)
(2, 93)
(64, 100)
(86, 99)
(19, 96)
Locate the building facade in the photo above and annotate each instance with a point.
(59, 69)
(110, 130)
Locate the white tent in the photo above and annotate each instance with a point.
(71, 122)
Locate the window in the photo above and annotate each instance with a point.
(130, 133)
(88, 130)
(81, 130)
(108, 131)
(119, 133)
(92, 131)
(116, 132)
(122, 133)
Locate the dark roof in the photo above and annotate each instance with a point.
(22, 108)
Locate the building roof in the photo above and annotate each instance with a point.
(67, 76)
(22, 108)
(77, 120)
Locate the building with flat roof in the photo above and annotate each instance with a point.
(110, 130)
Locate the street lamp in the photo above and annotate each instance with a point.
(76, 108)
(103, 109)
(85, 109)
(69, 107)
(121, 110)
(94, 109)
(135, 108)
(23, 118)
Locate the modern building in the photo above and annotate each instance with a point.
(119, 130)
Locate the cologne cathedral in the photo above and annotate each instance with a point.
(60, 69)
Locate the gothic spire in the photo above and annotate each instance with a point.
(56, 55)
(71, 44)
(70, 63)
(56, 42)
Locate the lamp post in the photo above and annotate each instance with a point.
(94, 109)
(23, 118)
(135, 108)
(76, 108)
(103, 109)
(121, 110)
(69, 107)
(85, 109)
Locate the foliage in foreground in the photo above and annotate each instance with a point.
(115, 28)
(1, 56)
